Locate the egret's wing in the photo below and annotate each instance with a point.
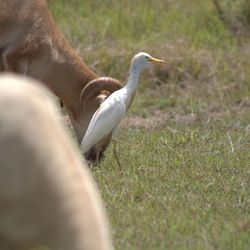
(107, 117)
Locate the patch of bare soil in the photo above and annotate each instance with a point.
(161, 118)
(150, 122)
(158, 119)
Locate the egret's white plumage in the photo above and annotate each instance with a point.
(110, 113)
(104, 121)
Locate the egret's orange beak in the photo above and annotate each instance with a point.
(156, 61)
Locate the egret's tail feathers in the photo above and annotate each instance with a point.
(84, 146)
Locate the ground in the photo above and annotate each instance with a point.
(185, 143)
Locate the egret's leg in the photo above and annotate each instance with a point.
(115, 147)
(115, 150)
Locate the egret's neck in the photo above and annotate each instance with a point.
(133, 78)
(132, 83)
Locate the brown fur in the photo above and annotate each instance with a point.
(31, 43)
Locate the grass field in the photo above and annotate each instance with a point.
(185, 143)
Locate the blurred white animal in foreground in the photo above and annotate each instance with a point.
(47, 196)
(109, 115)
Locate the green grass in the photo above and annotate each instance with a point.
(126, 21)
(179, 190)
(182, 187)
(185, 146)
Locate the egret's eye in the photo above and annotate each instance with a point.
(147, 58)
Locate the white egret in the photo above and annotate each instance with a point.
(108, 116)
